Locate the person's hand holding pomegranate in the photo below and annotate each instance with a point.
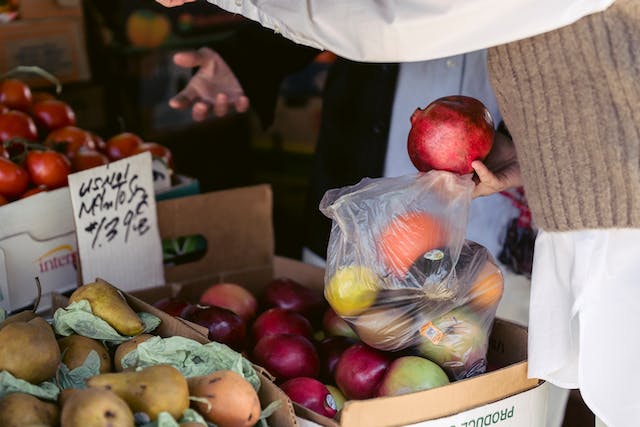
(213, 88)
(173, 3)
(500, 170)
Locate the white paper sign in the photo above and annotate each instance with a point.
(114, 211)
(161, 175)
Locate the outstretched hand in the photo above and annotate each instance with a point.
(173, 3)
(500, 169)
(213, 89)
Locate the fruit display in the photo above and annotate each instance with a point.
(320, 360)
(91, 366)
(41, 143)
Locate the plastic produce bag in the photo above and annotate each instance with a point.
(401, 273)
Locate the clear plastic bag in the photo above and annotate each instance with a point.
(401, 273)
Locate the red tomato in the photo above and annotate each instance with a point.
(86, 158)
(48, 168)
(3, 200)
(3, 152)
(53, 114)
(32, 191)
(13, 179)
(17, 124)
(3, 108)
(123, 145)
(71, 138)
(157, 151)
(15, 94)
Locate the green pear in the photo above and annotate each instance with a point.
(29, 351)
(95, 408)
(75, 349)
(155, 389)
(109, 305)
(21, 409)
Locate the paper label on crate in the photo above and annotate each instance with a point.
(114, 210)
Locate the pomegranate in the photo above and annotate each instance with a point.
(449, 134)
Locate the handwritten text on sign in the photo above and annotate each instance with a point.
(115, 215)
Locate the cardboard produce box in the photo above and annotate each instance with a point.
(38, 239)
(37, 9)
(237, 227)
(172, 326)
(55, 44)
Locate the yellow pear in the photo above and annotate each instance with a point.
(75, 349)
(155, 389)
(95, 408)
(126, 347)
(109, 305)
(29, 351)
(21, 409)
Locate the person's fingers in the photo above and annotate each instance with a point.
(200, 111)
(242, 104)
(180, 101)
(187, 59)
(221, 105)
(173, 3)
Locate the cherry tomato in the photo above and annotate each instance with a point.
(87, 158)
(15, 94)
(157, 151)
(53, 114)
(48, 168)
(32, 191)
(13, 179)
(123, 145)
(17, 124)
(70, 138)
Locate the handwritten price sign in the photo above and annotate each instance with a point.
(115, 215)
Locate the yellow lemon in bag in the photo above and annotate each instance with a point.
(352, 289)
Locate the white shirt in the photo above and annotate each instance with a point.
(410, 30)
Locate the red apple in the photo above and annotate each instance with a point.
(287, 356)
(457, 342)
(224, 325)
(449, 134)
(232, 297)
(360, 371)
(330, 349)
(286, 293)
(280, 321)
(334, 325)
(408, 374)
(174, 306)
(311, 394)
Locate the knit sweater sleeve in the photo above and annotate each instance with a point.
(571, 100)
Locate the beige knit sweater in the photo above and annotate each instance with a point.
(571, 100)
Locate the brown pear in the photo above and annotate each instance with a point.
(95, 408)
(75, 349)
(109, 305)
(126, 347)
(29, 351)
(21, 409)
(155, 389)
(23, 316)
